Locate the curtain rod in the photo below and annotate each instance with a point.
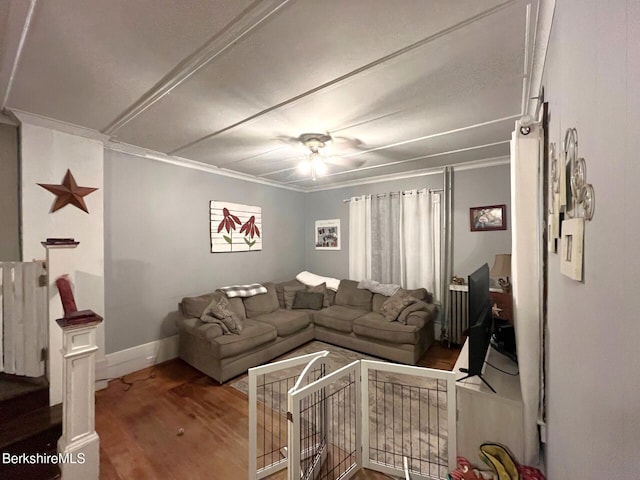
(406, 192)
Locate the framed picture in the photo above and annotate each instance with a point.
(327, 234)
(235, 227)
(571, 247)
(491, 217)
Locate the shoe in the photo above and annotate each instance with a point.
(500, 459)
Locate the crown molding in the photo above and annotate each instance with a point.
(192, 164)
(46, 122)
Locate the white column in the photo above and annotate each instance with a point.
(60, 261)
(79, 444)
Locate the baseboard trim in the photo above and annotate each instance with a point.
(142, 356)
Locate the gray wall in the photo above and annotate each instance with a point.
(9, 214)
(473, 187)
(157, 243)
(476, 188)
(591, 81)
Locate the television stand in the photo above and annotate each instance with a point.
(485, 416)
(479, 375)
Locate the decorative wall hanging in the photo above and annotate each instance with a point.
(327, 234)
(235, 227)
(571, 203)
(492, 217)
(68, 193)
(571, 246)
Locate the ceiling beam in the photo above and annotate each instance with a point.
(241, 26)
(353, 73)
(17, 28)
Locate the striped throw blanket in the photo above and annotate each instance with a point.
(243, 290)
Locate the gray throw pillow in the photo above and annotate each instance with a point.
(310, 300)
(229, 325)
(289, 293)
(395, 305)
(219, 311)
(219, 307)
(322, 288)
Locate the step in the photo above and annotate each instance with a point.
(21, 395)
(34, 433)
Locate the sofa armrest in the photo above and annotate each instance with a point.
(421, 318)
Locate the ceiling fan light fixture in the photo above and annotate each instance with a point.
(318, 165)
(304, 167)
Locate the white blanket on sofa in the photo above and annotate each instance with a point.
(314, 280)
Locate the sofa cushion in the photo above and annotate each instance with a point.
(290, 294)
(395, 304)
(198, 328)
(349, 294)
(262, 303)
(322, 288)
(338, 317)
(286, 322)
(374, 325)
(419, 293)
(253, 335)
(280, 289)
(414, 307)
(377, 301)
(194, 306)
(237, 306)
(308, 300)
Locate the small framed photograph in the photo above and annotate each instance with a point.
(327, 234)
(571, 246)
(491, 217)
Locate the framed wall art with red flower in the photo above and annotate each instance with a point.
(235, 227)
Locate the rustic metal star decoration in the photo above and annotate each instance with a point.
(68, 193)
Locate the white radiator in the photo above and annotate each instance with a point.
(458, 312)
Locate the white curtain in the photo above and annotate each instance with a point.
(402, 246)
(360, 237)
(526, 279)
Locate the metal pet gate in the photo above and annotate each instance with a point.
(395, 419)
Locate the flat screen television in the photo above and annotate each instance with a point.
(480, 323)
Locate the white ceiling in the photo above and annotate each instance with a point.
(400, 85)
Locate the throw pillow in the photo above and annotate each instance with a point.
(395, 304)
(290, 294)
(218, 307)
(414, 307)
(322, 288)
(310, 300)
(219, 311)
(229, 325)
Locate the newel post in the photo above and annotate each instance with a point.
(79, 444)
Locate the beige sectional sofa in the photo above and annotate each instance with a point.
(351, 318)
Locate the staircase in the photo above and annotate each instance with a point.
(29, 426)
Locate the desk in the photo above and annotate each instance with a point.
(504, 302)
(484, 416)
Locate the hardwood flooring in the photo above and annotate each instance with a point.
(176, 423)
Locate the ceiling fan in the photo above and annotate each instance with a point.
(315, 163)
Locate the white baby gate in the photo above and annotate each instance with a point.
(23, 318)
(395, 419)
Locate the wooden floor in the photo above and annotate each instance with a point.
(176, 423)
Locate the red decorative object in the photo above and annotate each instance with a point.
(68, 193)
(66, 295)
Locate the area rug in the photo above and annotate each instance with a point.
(408, 414)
